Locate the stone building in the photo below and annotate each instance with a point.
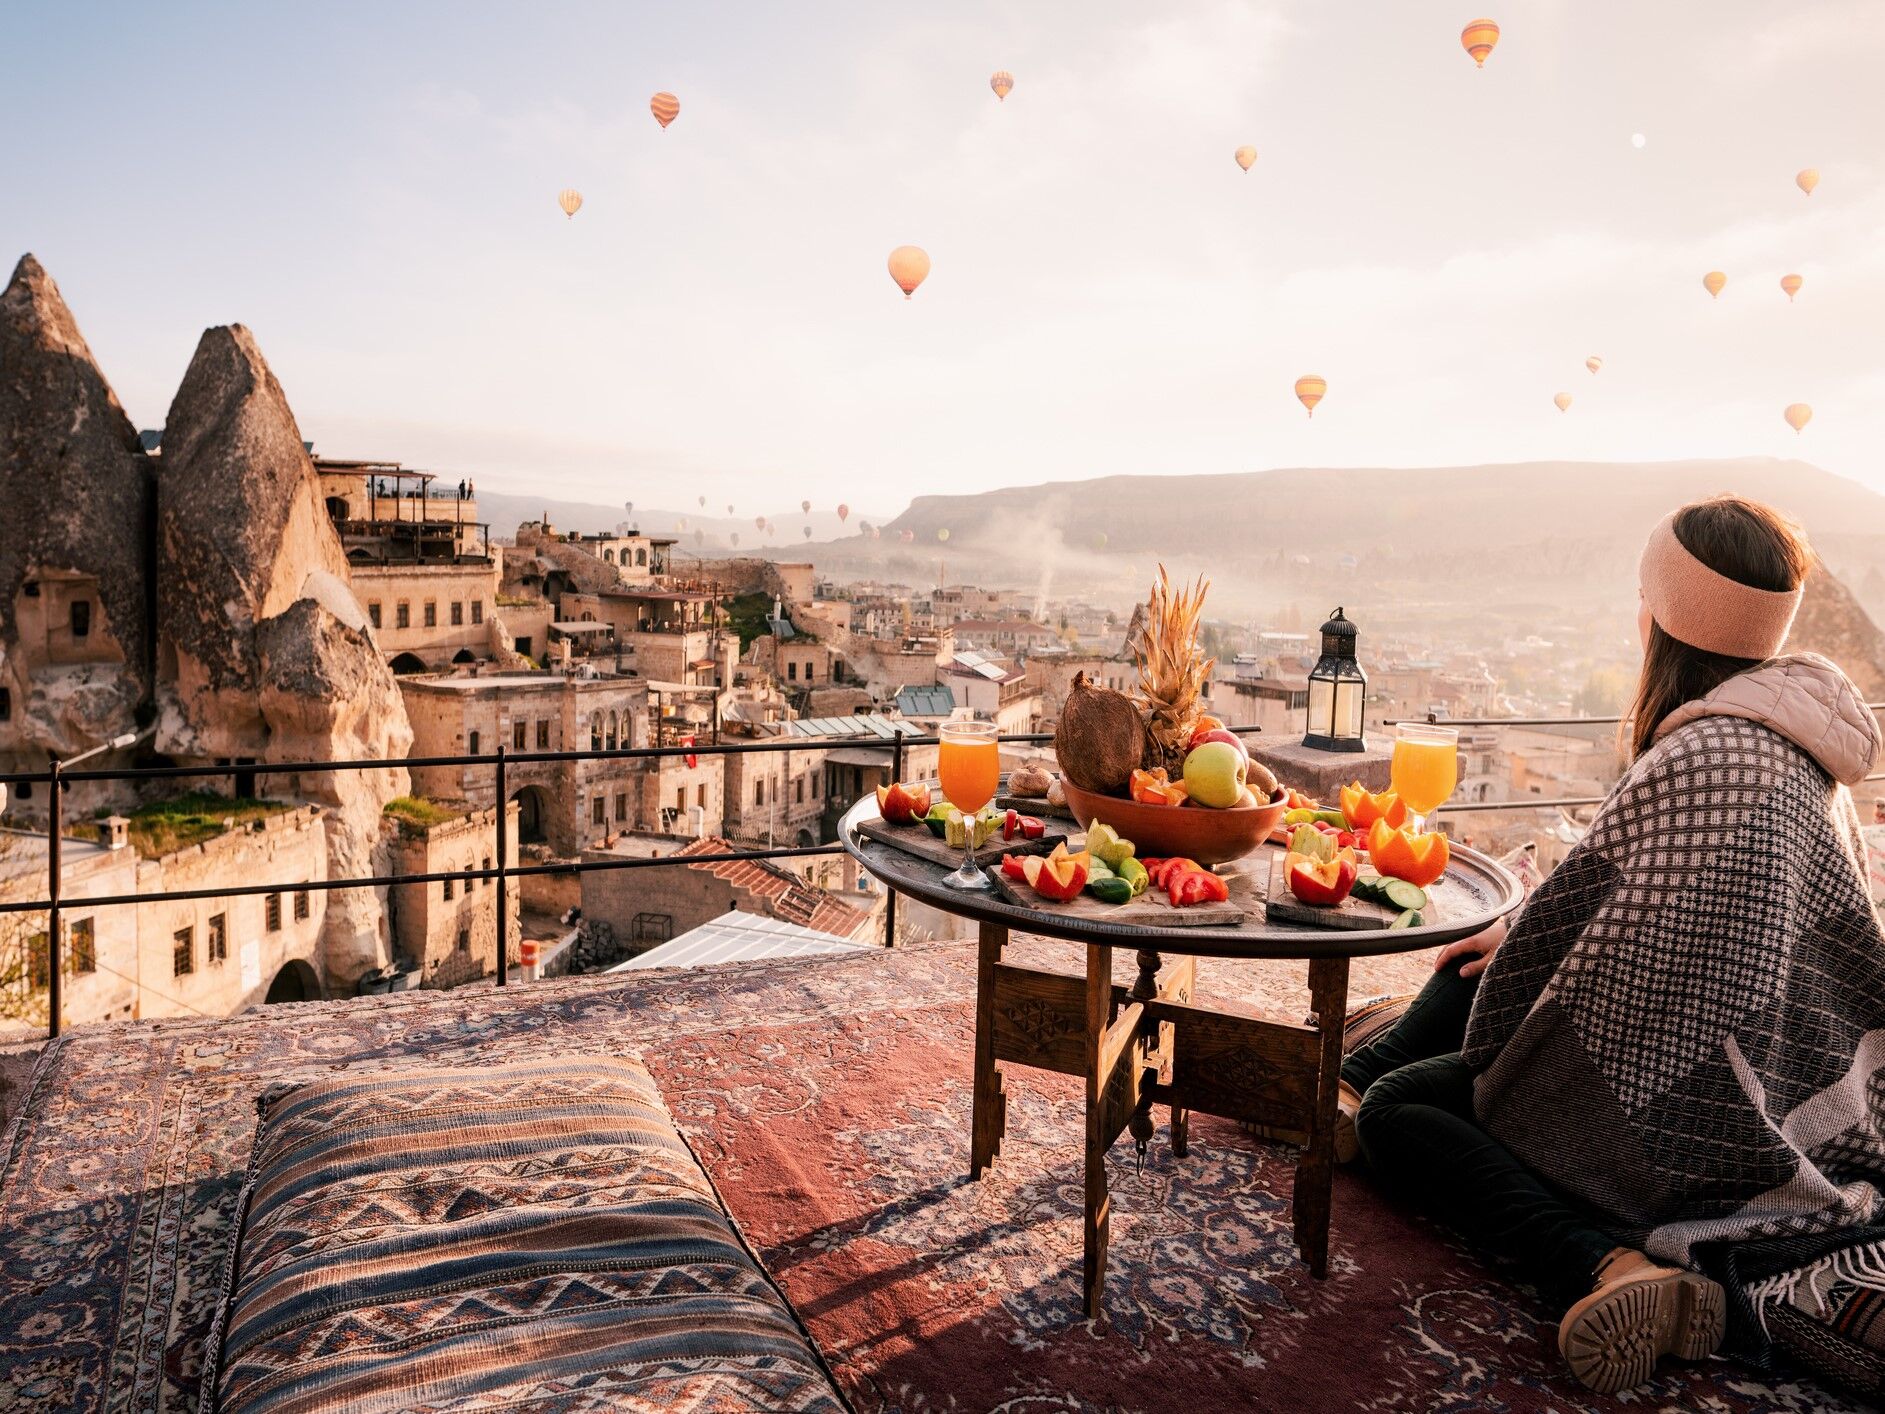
(446, 931)
(776, 797)
(428, 617)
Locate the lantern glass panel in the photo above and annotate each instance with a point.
(1321, 707)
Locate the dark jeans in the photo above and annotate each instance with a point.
(1420, 1137)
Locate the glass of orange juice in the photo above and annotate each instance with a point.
(968, 765)
(1426, 768)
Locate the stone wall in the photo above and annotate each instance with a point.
(459, 600)
(447, 931)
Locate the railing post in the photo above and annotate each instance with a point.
(55, 817)
(503, 873)
(890, 894)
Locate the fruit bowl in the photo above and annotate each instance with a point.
(1192, 831)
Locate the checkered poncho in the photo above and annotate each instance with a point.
(1685, 1028)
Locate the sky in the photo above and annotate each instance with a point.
(372, 189)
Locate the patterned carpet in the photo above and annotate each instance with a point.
(830, 1102)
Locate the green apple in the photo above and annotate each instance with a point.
(1214, 775)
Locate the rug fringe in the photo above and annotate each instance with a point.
(1861, 1265)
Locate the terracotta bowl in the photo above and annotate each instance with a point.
(1193, 831)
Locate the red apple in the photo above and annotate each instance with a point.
(1219, 734)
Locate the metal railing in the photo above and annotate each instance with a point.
(59, 780)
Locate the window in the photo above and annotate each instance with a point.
(471, 743)
(402, 615)
(301, 905)
(487, 865)
(183, 952)
(700, 797)
(811, 671)
(798, 792)
(621, 806)
(608, 557)
(218, 939)
(373, 613)
(814, 786)
(595, 731)
(521, 644)
(6, 704)
(39, 955)
(759, 792)
(543, 734)
(610, 738)
(458, 614)
(446, 885)
(477, 611)
(680, 800)
(274, 913)
(82, 946)
(792, 672)
(597, 810)
(431, 614)
(520, 734)
(641, 557)
(81, 617)
(464, 940)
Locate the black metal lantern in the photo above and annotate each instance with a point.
(1337, 687)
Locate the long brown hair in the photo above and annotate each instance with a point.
(1748, 542)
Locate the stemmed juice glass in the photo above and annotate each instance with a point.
(968, 765)
(1426, 768)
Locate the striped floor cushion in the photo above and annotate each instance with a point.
(535, 1236)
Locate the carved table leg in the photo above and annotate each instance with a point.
(1175, 988)
(1099, 1133)
(990, 1120)
(1315, 1170)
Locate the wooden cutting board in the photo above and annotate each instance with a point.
(1282, 906)
(1151, 909)
(1035, 805)
(917, 840)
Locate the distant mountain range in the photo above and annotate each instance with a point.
(1557, 533)
(710, 530)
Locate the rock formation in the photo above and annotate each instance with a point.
(76, 494)
(1832, 622)
(265, 651)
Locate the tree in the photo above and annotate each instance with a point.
(1605, 693)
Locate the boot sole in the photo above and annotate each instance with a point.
(1613, 1339)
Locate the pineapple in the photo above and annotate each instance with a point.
(1172, 670)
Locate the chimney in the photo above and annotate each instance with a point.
(117, 832)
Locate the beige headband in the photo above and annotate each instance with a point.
(1709, 611)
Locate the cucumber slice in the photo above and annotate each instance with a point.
(1410, 919)
(1398, 893)
(1371, 887)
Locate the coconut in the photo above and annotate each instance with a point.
(1101, 738)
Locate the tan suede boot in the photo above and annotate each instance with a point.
(1637, 1313)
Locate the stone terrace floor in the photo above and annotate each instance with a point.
(829, 1099)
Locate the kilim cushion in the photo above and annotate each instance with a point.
(529, 1236)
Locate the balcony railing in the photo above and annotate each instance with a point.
(500, 762)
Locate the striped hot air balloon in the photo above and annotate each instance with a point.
(1246, 156)
(1563, 400)
(1593, 363)
(1002, 83)
(1714, 282)
(1478, 39)
(1791, 284)
(1309, 391)
(666, 108)
(570, 200)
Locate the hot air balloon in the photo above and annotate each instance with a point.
(703, 503)
(1246, 157)
(1637, 140)
(681, 524)
(877, 532)
(1099, 541)
(808, 532)
(1593, 363)
(909, 267)
(666, 108)
(844, 513)
(736, 540)
(729, 508)
(771, 529)
(1791, 284)
(1003, 83)
(1713, 282)
(908, 537)
(806, 507)
(629, 506)
(759, 522)
(1478, 39)
(1798, 415)
(570, 200)
(1309, 391)
(942, 535)
(1563, 400)
(1806, 179)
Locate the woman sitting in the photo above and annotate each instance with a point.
(1679, 1048)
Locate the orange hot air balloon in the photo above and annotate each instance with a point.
(1798, 415)
(570, 200)
(1478, 39)
(1806, 179)
(844, 513)
(1563, 400)
(666, 108)
(1791, 284)
(1593, 363)
(909, 267)
(1309, 391)
(1713, 282)
(1003, 84)
(1246, 157)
